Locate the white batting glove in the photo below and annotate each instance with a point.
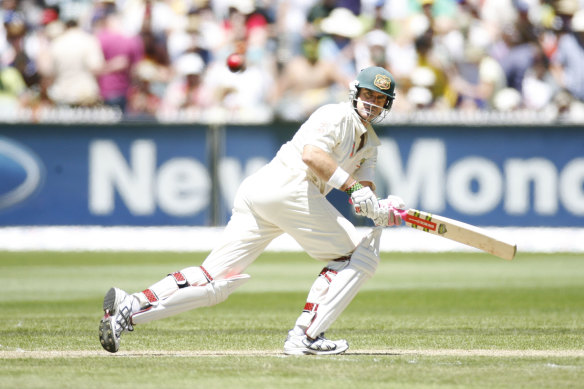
(396, 202)
(365, 202)
(389, 214)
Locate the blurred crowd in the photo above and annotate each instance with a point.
(166, 59)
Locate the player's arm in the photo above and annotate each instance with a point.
(326, 168)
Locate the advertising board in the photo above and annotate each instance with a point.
(141, 175)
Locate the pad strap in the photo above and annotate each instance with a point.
(180, 279)
(325, 273)
(150, 295)
(206, 274)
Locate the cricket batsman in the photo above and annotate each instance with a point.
(335, 149)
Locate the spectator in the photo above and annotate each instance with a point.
(567, 63)
(442, 93)
(8, 11)
(497, 14)
(121, 53)
(514, 55)
(12, 89)
(477, 79)
(399, 35)
(188, 37)
(39, 41)
(526, 29)
(16, 54)
(341, 28)
(75, 60)
(401, 51)
(186, 91)
(153, 32)
(539, 85)
(290, 26)
(143, 103)
(319, 11)
(156, 16)
(51, 26)
(419, 94)
(307, 82)
(371, 49)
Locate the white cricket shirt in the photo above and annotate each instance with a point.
(336, 129)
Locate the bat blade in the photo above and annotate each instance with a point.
(460, 232)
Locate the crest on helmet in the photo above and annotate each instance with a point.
(382, 81)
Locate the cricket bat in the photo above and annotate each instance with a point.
(460, 232)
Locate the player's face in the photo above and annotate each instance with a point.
(370, 104)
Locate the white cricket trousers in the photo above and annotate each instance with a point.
(273, 201)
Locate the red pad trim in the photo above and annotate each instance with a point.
(180, 279)
(150, 295)
(325, 272)
(309, 307)
(206, 274)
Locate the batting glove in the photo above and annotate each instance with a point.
(396, 202)
(364, 201)
(389, 212)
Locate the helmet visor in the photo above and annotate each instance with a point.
(370, 109)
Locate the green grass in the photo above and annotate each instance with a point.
(419, 323)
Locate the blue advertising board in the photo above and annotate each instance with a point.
(106, 175)
(489, 176)
(153, 174)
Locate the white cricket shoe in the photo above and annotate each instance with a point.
(117, 307)
(300, 344)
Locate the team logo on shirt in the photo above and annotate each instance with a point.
(382, 81)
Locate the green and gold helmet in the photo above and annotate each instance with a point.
(379, 80)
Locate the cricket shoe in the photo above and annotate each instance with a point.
(300, 344)
(117, 307)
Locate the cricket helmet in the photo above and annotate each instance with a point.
(377, 79)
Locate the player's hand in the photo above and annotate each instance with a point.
(365, 202)
(389, 212)
(396, 202)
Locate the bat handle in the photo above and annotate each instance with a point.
(403, 213)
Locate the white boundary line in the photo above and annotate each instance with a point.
(192, 239)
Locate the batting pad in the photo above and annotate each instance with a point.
(192, 297)
(345, 285)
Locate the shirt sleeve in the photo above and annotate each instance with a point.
(323, 128)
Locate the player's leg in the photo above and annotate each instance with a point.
(344, 281)
(244, 238)
(325, 235)
(331, 293)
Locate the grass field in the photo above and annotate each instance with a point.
(456, 320)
